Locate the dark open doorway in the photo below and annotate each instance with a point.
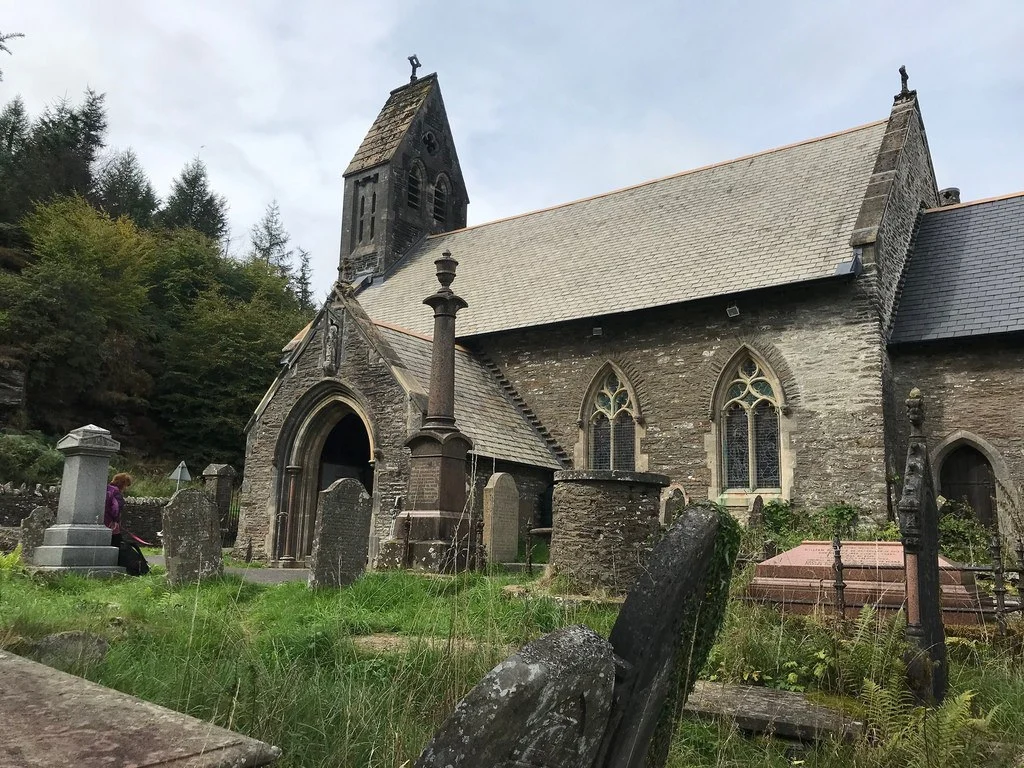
(967, 476)
(346, 453)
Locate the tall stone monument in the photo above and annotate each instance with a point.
(919, 528)
(79, 541)
(433, 531)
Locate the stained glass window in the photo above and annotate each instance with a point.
(750, 430)
(612, 426)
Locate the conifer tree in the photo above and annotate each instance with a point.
(4, 37)
(303, 283)
(270, 241)
(192, 204)
(123, 189)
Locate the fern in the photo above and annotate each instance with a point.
(900, 733)
(12, 560)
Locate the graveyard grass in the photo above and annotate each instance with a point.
(363, 675)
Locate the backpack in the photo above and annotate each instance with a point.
(130, 557)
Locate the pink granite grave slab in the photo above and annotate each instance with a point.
(802, 580)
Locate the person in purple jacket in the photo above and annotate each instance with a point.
(115, 503)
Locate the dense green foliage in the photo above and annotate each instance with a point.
(125, 312)
(29, 459)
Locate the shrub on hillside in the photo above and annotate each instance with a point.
(29, 458)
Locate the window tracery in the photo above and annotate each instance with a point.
(612, 426)
(750, 430)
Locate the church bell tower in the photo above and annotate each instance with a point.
(404, 181)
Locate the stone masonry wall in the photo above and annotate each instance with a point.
(827, 334)
(977, 390)
(388, 404)
(604, 527)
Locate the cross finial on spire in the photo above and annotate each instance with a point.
(905, 92)
(415, 62)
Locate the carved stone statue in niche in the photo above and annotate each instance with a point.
(332, 346)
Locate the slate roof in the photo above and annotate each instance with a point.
(778, 217)
(481, 410)
(965, 276)
(387, 131)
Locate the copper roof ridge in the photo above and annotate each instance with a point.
(660, 179)
(980, 201)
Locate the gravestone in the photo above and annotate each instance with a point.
(78, 541)
(674, 503)
(218, 482)
(192, 549)
(33, 528)
(341, 534)
(919, 527)
(542, 706)
(501, 518)
(555, 705)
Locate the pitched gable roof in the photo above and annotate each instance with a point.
(481, 410)
(769, 219)
(385, 135)
(965, 276)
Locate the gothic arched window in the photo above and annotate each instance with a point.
(612, 425)
(441, 200)
(750, 430)
(414, 194)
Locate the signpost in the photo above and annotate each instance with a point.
(180, 475)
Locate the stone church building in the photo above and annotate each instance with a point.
(747, 328)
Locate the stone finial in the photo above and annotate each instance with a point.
(905, 92)
(415, 63)
(915, 411)
(446, 267)
(347, 273)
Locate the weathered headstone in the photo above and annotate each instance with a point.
(673, 504)
(919, 528)
(79, 541)
(551, 704)
(33, 528)
(192, 549)
(501, 518)
(544, 706)
(341, 534)
(218, 482)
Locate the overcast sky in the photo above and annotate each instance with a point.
(549, 100)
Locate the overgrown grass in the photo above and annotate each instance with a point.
(288, 666)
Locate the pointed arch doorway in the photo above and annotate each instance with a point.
(966, 475)
(332, 442)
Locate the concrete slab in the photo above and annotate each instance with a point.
(765, 710)
(52, 718)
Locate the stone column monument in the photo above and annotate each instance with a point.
(218, 482)
(433, 530)
(79, 541)
(927, 670)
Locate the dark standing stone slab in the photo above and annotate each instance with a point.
(33, 529)
(919, 527)
(192, 549)
(663, 635)
(341, 535)
(544, 707)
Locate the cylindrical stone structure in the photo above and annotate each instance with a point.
(604, 525)
(441, 400)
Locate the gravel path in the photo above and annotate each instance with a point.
(254, 575)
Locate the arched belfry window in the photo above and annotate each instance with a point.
(612, 424)
(414, 193)
(441, 200)
(750, 429)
